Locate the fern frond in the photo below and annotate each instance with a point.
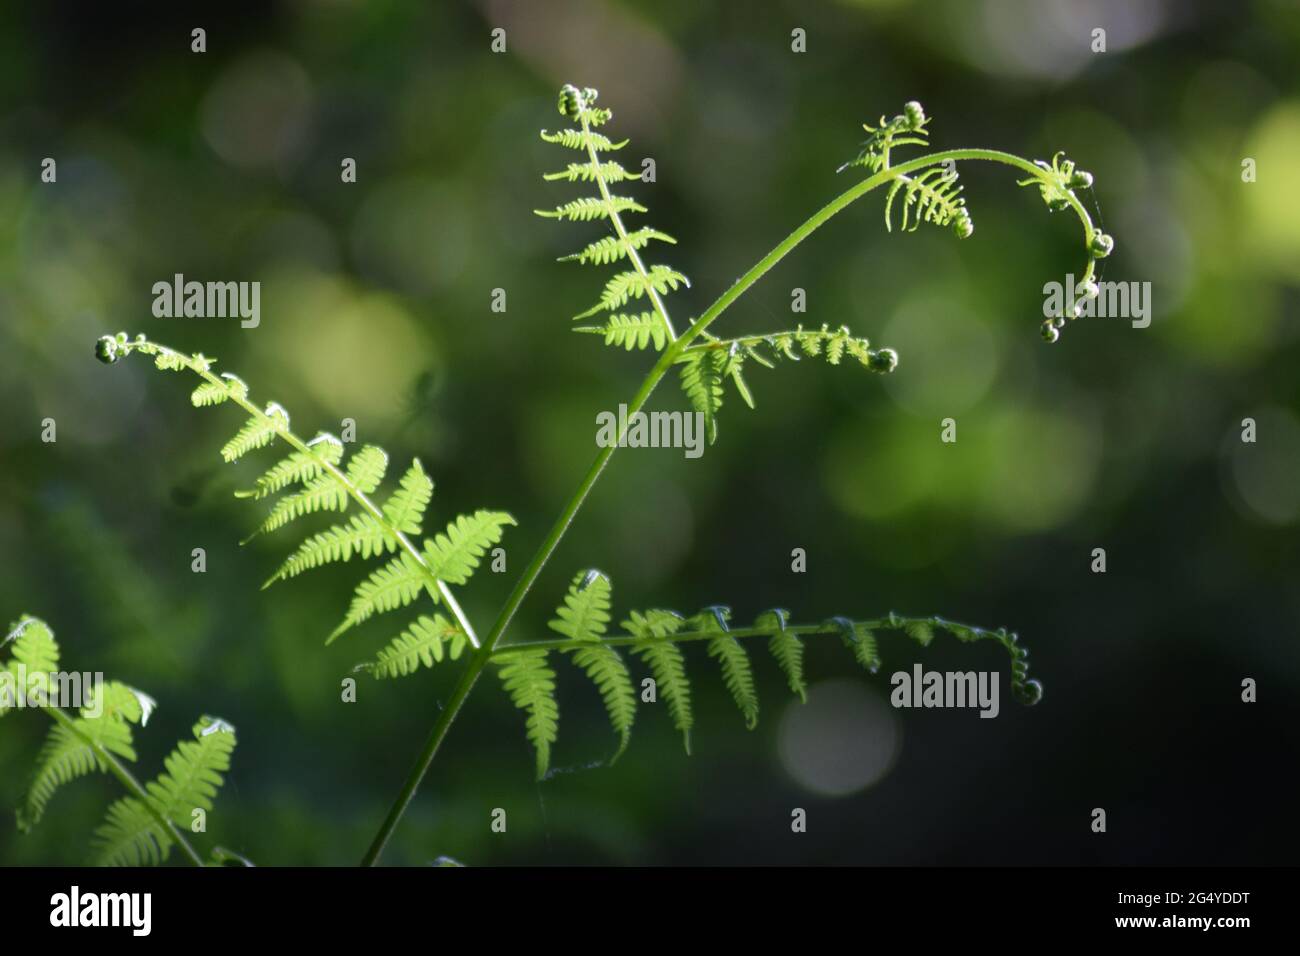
(626, 286)
(610, 249)
(404, 509)
(366, 469)
(652, 282)
(208, 393)
(583, 618)
(193, 771)
(142, 827)
(454, 555)
(326, 488)
(531, 686)
(737, 674)
(258, 432)
(34, 645)
(653, 629)
(325, 493)
(361, 535)
(72, 750)
(421, 643)
(297, 467)
(609, 171)
(64, 756)
(576, 139)
(588, 209)
(906, 129)
(657, 637)
(701, 376)
(394, 585)
(630, 331)
(931, 196)
(132, 835)
(37, 653)
(585, 611)
(786, 648)
(731, 354)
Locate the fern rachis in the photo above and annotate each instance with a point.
(926, 188)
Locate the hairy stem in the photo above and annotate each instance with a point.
(666, 360)
(127, 779)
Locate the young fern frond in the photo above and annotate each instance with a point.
(314, 477)
(652, 282)
(906, 129)
(138, 829)
(657, 637)
(832, 345)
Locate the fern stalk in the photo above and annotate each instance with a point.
(128, 780)
(469, 677)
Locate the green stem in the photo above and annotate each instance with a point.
(127, 779)
(666, 360)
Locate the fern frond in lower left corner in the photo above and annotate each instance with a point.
(144, 827)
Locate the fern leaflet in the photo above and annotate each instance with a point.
(531, 686)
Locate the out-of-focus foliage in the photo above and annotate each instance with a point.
(376, 306)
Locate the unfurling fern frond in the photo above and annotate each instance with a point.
(138, 829)
(315, 477)
(657, 638)
(906, 129)
(706, 367)
(932, 196)
(652, 282)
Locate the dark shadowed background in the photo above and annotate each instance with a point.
(375, 306)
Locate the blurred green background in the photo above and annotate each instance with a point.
(375, 306)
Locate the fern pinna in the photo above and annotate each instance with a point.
(631, 312)
(141, 828)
